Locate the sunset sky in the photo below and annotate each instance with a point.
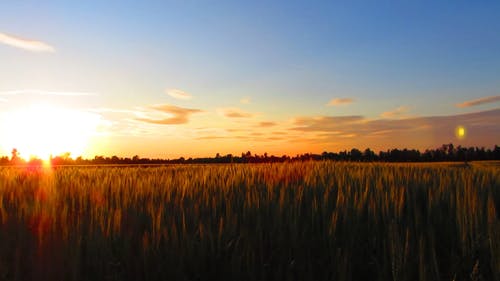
(193, 78)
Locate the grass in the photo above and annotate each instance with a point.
(291, 221)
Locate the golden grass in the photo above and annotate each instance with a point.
(297, 221)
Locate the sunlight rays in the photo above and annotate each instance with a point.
(42, 130)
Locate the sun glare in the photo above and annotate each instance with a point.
(43, 130)
(460, 132)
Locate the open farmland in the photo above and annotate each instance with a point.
(290, 221)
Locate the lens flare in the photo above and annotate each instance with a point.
(460, 132)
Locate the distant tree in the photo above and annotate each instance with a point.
(496, 152)
(4, 160)
(66, 155)
(356, 154)
(15, 155)
(15, 159)
(446, 152)
(35, 162)
(368, 155)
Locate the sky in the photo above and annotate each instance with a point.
(195, 78)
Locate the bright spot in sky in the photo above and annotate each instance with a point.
(460, 132)
(43, 130)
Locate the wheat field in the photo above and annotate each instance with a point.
(288, 221)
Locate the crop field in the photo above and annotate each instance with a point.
(289, 221)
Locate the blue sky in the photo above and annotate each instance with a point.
(287, 59)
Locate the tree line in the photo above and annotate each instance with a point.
(447, 152)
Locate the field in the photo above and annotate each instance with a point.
(291, 221)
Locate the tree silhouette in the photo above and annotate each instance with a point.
(446, 152)
(15, 155)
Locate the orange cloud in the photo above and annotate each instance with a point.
(415, 132)
(178, 94)
(235, 113)
(26, 44)
(340, 101)
(177, 115)
(479, 101)
(267, 124)
(313, 122)
(397, 113)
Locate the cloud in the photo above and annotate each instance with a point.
(347, 136)
(266, 124)
(349, 124)
(26, 44)
(245, 100)
(235, 113)
(275, 139)
(45, 93)
(210, 137)
(396, 113)
(340, 101)
(415, 132)
(479, 101)
(177, 115)
(326, 122)
(178, 94)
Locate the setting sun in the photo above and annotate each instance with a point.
(42, 130)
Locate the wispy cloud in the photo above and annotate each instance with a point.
(318, 122)
(26, 44)
(340, 101)
(479, 101)
(266, 124)
(178, 94)
(235, 113)
(210, 137)
(45, 93)
(417, 132)
(176, 115)
(245, 100)
(347, 136)
(399, 112)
